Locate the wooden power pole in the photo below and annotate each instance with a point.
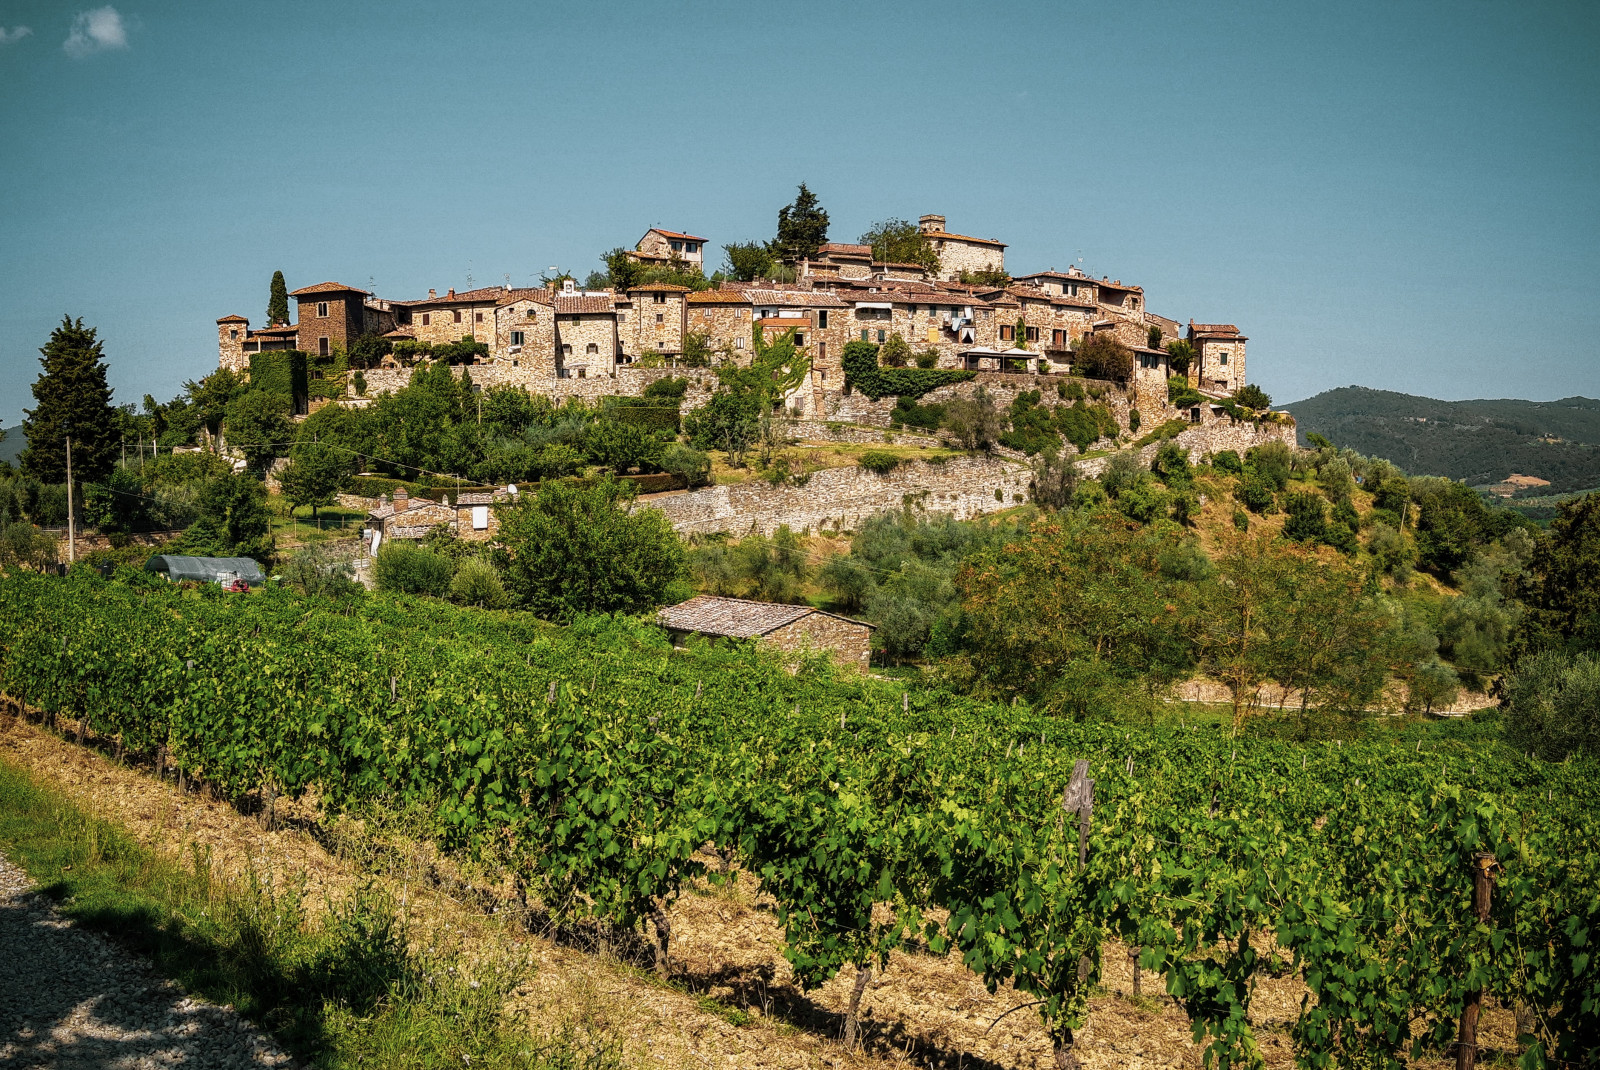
(72, 533)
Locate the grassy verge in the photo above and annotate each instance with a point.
(338, 987)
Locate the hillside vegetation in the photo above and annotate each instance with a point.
(1478, 442)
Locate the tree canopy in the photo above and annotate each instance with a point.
(278, 301)
(898, 241)
(802, 228)
(73, 398)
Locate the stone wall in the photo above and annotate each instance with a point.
(856, 435)
(450, 321)
(841, 498)
(847, 642)
(956, 256)
(646, 326)
(340, 326)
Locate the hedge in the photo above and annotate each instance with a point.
(648, 417)
(861, 370)
(279, 371)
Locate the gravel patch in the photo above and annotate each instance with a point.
(71, 999)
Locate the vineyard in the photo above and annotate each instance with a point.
(1404, 884)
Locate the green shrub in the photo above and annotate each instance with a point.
(1171, 465)
(1228, 461)
(1255, 493)
(1134, 418)
(880, 461)
(668, 387)
(1307, 517)
(909, 413)
(407, 569)
(1241, 519)
(1553, 705)
(477, 583)
(1273, 461)
(1253, 397)
(928, 358)
(687, 464)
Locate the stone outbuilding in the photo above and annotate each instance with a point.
(786, 628)
(1218, 364)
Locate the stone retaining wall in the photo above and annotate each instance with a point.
(841, 498)
(857, 435)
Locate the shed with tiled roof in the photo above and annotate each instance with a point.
(791, 629)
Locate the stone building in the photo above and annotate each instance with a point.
(330, 315)
(524, 343)
(838, 260)
(443, 320)
(960, 252)
(790, 629)
(650, 321)
(586, 333)
(472, 517)
(1218, 364)
(667, 246)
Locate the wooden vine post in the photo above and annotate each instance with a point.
(1077, 799)
(1483, 864)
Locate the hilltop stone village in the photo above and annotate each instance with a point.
(1015, 333)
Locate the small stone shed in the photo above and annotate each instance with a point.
(206, 569)
(787, 628)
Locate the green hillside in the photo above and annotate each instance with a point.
(12, 444)
(1479, 442)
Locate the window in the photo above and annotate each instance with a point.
(322, 346)
(516, 338)
(799, 339)
(933, 333)
(562, 373)
(738, 343)
(480, 518)
(1222, 358)
(741, 313)
(457, 314)
(706, 314)
(1033, 334)
(822, 319)
(581, 373)
(1058, 338)
(660, 318)
(591, 348)
(1008, 332)
(822, 354)
(661, 345)
(233, 332)
(532, 313)
(566, 350)
(427, 318)
(863, 334)
(660, 298)
(322, 309)
(477, 317)
(515, 363)
(677, 246)
(405, 315)
(622, 317)
(881, 334)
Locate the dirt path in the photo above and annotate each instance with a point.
(72, 1000)
(922, 1011)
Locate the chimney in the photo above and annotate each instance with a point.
(402, 499)
(432, 293)
(931, 224)
(452, 292)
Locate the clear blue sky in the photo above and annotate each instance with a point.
(1403, 196)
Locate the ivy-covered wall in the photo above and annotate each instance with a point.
(280, 371)
(861, 370)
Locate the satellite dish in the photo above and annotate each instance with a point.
(511, 488)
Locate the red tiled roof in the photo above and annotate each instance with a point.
(281, 328)
(736, 618)
(482, 295)
(963, 237)
(900, 264)
(1130, 287)
(328, 288)
(794, 299)
(568, 306)
(834, 248)
(233, 319)
(657, 287)
(1224, 329)
(531, 293)
(675, 234)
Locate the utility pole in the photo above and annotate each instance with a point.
(72, 534)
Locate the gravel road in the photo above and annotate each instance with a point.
(73, 1000)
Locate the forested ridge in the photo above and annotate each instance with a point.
(1479, 442)
(594, 762)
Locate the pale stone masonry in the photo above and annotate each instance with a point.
(791, 629)
(571, 342)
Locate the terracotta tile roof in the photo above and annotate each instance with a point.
(657, 287)
(531, 293)
(945, 235)
(834, 248)
(401, 336)
(736, 618)
(482, 295)
(233, 319)
(899, 264)
(794, 299)
(675, 234)
(1225, 330)
(328, 288)
(1052, 274)
(1130, 287)
(719, 297)
(569, 306)
(282, 328)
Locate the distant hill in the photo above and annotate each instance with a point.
(12, 444)
(1479, 442)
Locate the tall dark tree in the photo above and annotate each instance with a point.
(802, 228)
(278, 301)
(899, 241)
(73, 396)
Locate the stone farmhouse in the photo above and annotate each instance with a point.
(589, 343)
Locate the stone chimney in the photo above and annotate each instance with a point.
(931, 224)
(402, 499)
(432, 293)
(452, 293)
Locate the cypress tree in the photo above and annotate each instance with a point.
(278, 301)
(72, 394)
(802, 228)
